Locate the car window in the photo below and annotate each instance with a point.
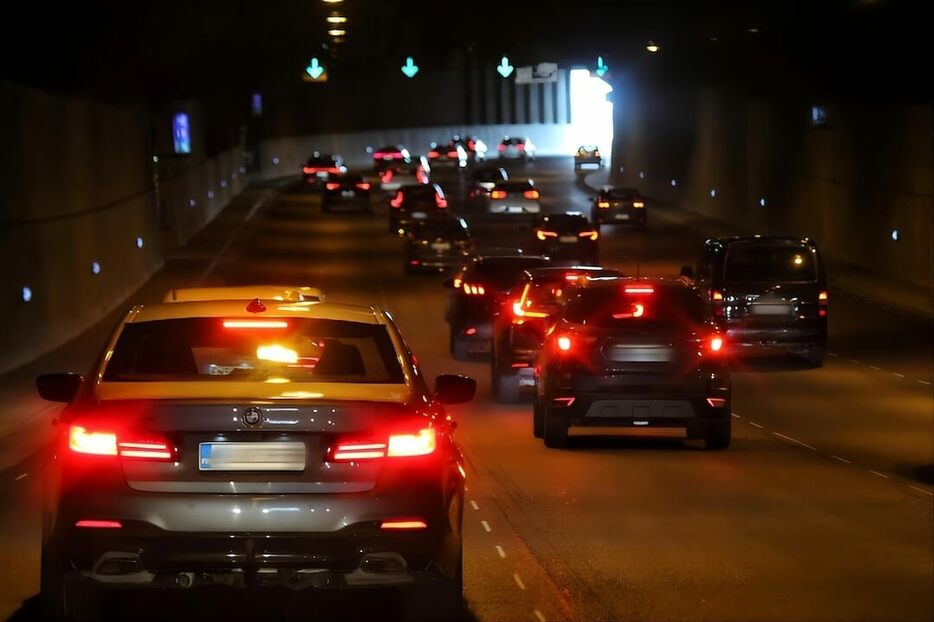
(766, 261)
(624, 193)
(504, 271)
(282, 349)
(612, 307)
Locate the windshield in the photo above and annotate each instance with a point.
(767, 262)
(292, 349)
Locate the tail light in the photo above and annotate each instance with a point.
(421, 175)
(638, 204)
(107, 443)
(403, 525)
(498, 194)
(716, 402)
(645, 289)
(521, 146)
(716, 298)
(99, 524)
(596, 154)
(396, 201)
(401, 445)
(332, 186)
(440, 201)
(452, 154)
(544, 235)
(715, 343)
(593, 235)
(364, 185)
(564, 343)
(433, 154)
(603, 204)
(502, 147)
(308, 170)
(523, 311)
(823, 300)
(530, 194)
(386, 176)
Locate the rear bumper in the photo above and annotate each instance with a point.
(619, 216)
(742, 339)
(613, 410)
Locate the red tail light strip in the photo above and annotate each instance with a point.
(99, 524)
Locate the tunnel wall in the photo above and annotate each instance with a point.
(77, 186)
(847, 183)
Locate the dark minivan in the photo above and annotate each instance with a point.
(767, 294)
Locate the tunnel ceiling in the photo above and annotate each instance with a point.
(174, 49)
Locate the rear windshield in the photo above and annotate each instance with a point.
(503, 272)
(624, 193)
(565, 222)
(513, 141)
(609, 307)
(499, 175)
(447, 226)
(755, 261)
(515, 186)
(420, 192)
(291, 350)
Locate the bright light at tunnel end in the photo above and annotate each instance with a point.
(591, 112)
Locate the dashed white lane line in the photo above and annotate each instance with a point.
(735, 415)
(486, 526)
(854, 361)
(474, 505)
(898, 375)
(925, 382)
(927, 492)
(538, 615)
(20, 476)
(518, 580)
(844, 460)
(794, 440)
(500, 552)
(833, 354)
(882, 475)
(756, 424)
(875, 368)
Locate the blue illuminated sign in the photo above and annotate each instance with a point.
(257, 104)
(181, 134)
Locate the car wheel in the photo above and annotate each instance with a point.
(438, 600)
(507, 388)
(718, 434)
(555, 431)
(815, 355)
(65, 597)
(538, 419)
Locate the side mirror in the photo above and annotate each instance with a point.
(687, 272)
(451, 389)
(59, 387)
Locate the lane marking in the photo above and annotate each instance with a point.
(833, 354)
(735, 415)
(233, 238)
(875, 368)
(486, 526)
(756, 424)
(474, 505)
(898, 375)
(854, 361)
(539, 616)
(502, 553)
(927, 492)
(840, 459)
(20, 476)
(882, 475)
(794, 440)
(518, 580)
(925, 382)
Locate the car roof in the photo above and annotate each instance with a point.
(548, 273)
(238, 309)
(761, 238)
(514, 183)
(287, 293)
(568, 217)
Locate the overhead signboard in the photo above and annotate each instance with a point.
(542, 72)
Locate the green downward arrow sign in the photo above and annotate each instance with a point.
(601, 68)
(409, 68)
(314, 69)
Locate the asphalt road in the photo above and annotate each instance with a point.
(822, 508)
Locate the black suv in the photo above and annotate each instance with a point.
(440, 242)
(634, 353)
(519, 328)
(620, 206)
(567, 236)
(767, 294)
(479, 291)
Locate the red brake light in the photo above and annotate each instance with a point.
(83, 441)
(433, 154)
(397, 200)
(603, 204)
(99, 524)
(542, 235)
(440, 201)
(498, 194)
(364, 185)
(452, 154)
(255, 324)
(358, 451)
(716, 343)
(593, 235)
(308, 170)
(332, 186)
(564, 343)
(421, 443)
(530, 194)
(716, 402)
(502, 147)
(638, 310)
(386, 176)
(521, 146)
(639, 289)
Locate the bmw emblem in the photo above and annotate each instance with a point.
(252, 415)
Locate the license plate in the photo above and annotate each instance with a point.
(322, 174)
(285, 456)
(527, 381)
(347, 193)
(515, 209)
(441, 246)
(567, 239)
(387, 158)
(771, 309)
(419, 215)
(622, 217)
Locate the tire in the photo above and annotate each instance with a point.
(538, 419)
(506, 387)
(815, 355)
(718, 434)
(459, 348)
(440, 600)
(555, 431)
(64, 596)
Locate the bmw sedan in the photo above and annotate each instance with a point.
(241, 443)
